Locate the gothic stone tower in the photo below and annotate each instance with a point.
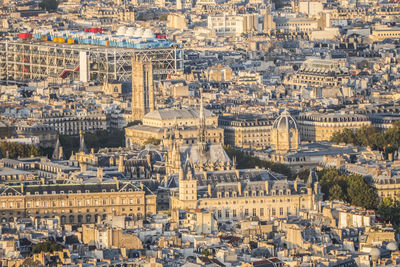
(142, 88)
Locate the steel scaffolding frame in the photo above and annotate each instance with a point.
(22, 61)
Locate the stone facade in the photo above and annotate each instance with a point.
(75, 203)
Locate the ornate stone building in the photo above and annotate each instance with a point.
(182, 124)
(318, 73)
(316, 127)
(204, 153)
(246, 131)
(266, 198)
(76, 203)
(285, 134)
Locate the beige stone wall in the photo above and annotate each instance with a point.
(77, 208)
(264, 207)
(248, 136)
(323, 131)
(142, 89)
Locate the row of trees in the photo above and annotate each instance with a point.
(387, 141)
(352, 189)
(15, 150)
(99, 139)
(49, 5)
(47, 246)
(245, 161)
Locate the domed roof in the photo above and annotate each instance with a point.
(148, 34)
(375, 253)
(285, 122)
(392, 246)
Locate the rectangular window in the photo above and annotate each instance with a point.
(273, 212)
(254, 212)
(226, 213)
(261, 212)
(280, 211)
(246, 212)
(234, 213)
(219, 214)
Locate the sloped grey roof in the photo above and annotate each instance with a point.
(215, 154)
(172, 113)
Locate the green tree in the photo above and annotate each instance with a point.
(16, 150)
(303, 175)
(389, 208)
(97, 140)
(360, 193)
(352, 189)
(245, 161)
(47, 246)
(49, 5)
(387, 141)
(336, 193)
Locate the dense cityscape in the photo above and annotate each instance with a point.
(200, 133)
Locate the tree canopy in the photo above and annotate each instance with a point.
(387, 141)
(16, 150)
(352, 189)
(49, 5)
(389, 208)
(245, 161)
(99, 139)
(47, 246)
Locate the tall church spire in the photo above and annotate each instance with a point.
(202, 123)
(82, 146)
(58, 153)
